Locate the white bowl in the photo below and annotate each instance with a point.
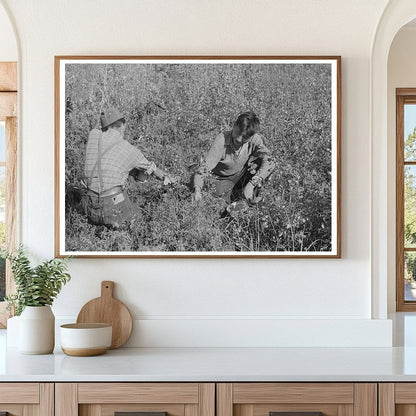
(83, 340)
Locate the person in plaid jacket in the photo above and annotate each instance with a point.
(108, 162)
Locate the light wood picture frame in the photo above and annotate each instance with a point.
(180, 114)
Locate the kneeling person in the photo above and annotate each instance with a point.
(109, 159)
(239, 161)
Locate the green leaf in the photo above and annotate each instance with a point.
(35, 286)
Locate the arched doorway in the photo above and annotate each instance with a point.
(395, 16)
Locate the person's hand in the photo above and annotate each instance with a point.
(197, 195)
(248, 191)
(169, 180)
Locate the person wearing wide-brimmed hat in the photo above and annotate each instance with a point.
(108, 162)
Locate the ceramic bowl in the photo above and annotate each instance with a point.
(83, 340)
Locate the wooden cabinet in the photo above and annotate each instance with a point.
(264, 399)
(397, 399)
(208, 399)
(221, 399)
(106, 399)
(27, 399)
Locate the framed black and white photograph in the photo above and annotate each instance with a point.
(198, 156)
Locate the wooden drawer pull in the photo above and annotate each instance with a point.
(295, 414)
(140, 414)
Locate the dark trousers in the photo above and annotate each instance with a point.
(231, 187)
(115, 211)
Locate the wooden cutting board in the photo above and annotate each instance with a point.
(109, 310)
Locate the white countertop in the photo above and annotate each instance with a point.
(221, 364)
(215, 364)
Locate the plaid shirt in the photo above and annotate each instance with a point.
(118, 158)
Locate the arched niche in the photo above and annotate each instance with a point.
(396, 14)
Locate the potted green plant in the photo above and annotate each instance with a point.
(36, 289)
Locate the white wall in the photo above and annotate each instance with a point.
(8, 46)
(203, 302)
(401, 74)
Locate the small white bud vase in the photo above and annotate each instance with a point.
(37, 330)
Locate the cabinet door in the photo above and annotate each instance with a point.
(397, 399)
(26, 399)
(297, 399)
(142, 399)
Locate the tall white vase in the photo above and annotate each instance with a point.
(37, 330)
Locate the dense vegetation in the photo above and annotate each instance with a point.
(173, 113)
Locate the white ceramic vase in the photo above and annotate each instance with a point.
(37, 330)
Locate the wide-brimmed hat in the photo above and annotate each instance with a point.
(110, 116)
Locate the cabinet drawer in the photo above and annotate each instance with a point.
(293, 393)
(21, 399)
(147, 399)
(397, 399)
(131, 409)
(293, 399)
(138, 393)
(19, 393)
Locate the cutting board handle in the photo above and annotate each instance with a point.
(107, 289)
